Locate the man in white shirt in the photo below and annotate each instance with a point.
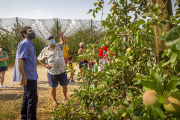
(53, 53)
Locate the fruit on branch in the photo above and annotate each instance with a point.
(128, 50)
(151, 98)
(125, 115)
(95, 75)
(112, 12)
(99, 3)
(130, 58)
(172, 104)
(88, 117)
(113, 6)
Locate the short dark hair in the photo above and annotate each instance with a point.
(70, 58)
(1, 46)
(23, 30)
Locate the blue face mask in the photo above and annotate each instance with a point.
(52, 42)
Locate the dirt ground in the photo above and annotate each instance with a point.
(11, 97)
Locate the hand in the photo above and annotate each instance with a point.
(47, 66)
(60, 33)
(63, 39)
(23, 81)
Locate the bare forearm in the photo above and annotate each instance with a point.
(20, 66)
(41, 62)
(5, 58)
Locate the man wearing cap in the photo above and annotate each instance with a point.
(53, 53)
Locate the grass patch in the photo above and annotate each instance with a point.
(9, 111)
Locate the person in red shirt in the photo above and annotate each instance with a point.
(103, 56)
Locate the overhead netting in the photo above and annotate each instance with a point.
(44, 27)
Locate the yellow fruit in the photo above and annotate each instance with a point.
(99, 3)
(151, 98)
(172, 104)
(116, 60)
(125, 115)
(99, 116)
(112, 12)
(95, 75)
(113, 6)
(128, 50)
(88, 117)
(115, 15)
(130, 58)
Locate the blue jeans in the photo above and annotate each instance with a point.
(30, 99)
(54, 79)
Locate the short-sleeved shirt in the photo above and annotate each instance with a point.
(102, 51)
(71, 66)
(65, 49)
(55, 59)
(3, 63)
(26, 51)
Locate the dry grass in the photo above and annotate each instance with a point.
(11, 97)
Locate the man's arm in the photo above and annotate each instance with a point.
(20, 66)
(45, 65)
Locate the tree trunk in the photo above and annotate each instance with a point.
(159, 44)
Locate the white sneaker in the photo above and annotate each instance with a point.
(3, 86)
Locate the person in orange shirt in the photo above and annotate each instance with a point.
(103, 56)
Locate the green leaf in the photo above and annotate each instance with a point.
(152, 113)
(173, 34)
(156, 113)
(156, 77)
(138, 111)
(178, 46)
(133, 25)
(161, 99)
(162, 38)
(141, 21)
(173, 42)
(173, 57)
(172, 84)
(90, 11)
(151, 85)
(149, 64)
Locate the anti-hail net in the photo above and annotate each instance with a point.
(44, 27)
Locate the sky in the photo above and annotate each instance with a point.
(48, 9)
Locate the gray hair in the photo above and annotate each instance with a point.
(81, 44)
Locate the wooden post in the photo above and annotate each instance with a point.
(159, 44)
(57, 30)
(17, 34)
(91, 28)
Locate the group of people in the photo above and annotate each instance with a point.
(54, 57)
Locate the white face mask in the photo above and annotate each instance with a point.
(0, 49)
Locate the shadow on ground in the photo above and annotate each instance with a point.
(7, 97)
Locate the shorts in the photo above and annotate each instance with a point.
(72, 74)
(3, 68)
(81, 64)
(61, 78)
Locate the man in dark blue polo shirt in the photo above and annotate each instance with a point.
(25, 72)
